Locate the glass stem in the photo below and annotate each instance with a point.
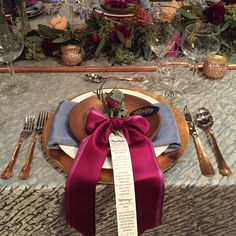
(170, 92)
(12, 73)
(194, 76)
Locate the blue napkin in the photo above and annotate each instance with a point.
(168, 133)
(59, 131)
(38, 5)
(97, 5)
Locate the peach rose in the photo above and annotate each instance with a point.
(58, 22)
(170, 10)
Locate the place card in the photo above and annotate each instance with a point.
(124, 185)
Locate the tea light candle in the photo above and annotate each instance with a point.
(71, 55)
(215, 66)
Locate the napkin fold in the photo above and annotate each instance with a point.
(59, 133)
(36, 6)
(168, 133)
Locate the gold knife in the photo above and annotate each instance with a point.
(204, 162)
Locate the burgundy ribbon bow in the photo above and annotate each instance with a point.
(86, 168)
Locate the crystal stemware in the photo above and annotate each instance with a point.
(164, 33)
(200, 40)
(11, 47)
(71, 10)
(174, 68)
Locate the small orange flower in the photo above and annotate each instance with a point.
(58, 22)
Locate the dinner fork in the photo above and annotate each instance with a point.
(25, 172)
(26, 131)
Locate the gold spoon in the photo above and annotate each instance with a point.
(99, 79)
(204, 120)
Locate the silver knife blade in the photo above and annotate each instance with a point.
(189, 120)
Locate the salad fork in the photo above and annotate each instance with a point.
(25, 172)
(26, 131)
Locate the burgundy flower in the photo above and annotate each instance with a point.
(216, 13)
(122, 29)
(119, 3)
(116, 3)
(49, 47)
(95, 38)
(111, 103)
(230, 2)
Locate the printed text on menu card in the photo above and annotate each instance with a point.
(124, 186)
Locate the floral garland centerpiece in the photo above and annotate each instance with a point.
(221, 13)
(124, 39)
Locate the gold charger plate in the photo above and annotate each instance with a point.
(78, 115)
(166, 161)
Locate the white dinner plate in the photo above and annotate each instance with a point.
(71, 151)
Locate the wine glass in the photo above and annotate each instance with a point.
(71, 10)
(164, 33)
(200, 41)
(173, 68)
(11, 47)
(162, 36)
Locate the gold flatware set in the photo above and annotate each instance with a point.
(28, 128)
(204, 120)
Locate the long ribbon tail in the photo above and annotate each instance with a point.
(81, 186)
(149, 185)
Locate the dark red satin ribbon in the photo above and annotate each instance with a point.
(85, 171)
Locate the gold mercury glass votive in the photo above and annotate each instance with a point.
(71, 55)
(215, 66)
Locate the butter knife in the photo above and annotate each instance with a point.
(204, 162)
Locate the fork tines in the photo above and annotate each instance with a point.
(42, 118)
(29, 123)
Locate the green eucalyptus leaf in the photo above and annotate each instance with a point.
(225, 26)
(120, 36)
(117, 95)
(48, 31)
(100, 46)
(60, 40)
(187, 14)
(147, 52)
(35, 39)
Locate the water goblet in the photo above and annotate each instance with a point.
(200, 41)
(174, 67)
(164, 33)
(11, 47)
(71, 10)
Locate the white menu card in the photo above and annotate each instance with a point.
(124, 186)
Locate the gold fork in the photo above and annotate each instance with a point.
(25, 172)
(26, 131)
